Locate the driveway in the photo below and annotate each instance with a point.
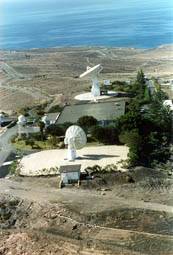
(5, 145)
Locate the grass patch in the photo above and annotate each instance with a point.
(41, 145)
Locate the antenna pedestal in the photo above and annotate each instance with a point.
(71, 154)
(22, 129)
(95, 90)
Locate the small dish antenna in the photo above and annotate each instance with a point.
(107, 82)
(1, 118)
(21, 120)
(92, 73)
(21, 125)
(76, 139)
(45, 120)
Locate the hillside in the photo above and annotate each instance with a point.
(35, 76)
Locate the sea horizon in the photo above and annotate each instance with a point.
(87, 47)
(44, 24)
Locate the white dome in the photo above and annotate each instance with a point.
(21, 119)
(168, 103)
(1, 115)
(44, 118)
(75, 135)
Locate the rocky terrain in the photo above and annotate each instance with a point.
(35, 76)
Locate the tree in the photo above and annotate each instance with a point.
(133, 141)
(140, 77)
(138, 87)
(65, 126)
(97, 132)
(41, 126)
(54, 130)
(106, 135)
(87, 122)
(146, 128)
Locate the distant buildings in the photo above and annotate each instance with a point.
(5, 120)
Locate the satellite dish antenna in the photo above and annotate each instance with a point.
(92, 73)
(1, 118)
(76, 139)
(21, 120)
(45, 120)
(107, 82)
(21, 125)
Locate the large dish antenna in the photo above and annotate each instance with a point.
(76, 139)
(92, 73)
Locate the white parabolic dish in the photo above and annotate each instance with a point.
(21, 119)
(77, 136)
(92, 71)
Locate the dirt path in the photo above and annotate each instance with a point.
(122, 220)
(79, 198)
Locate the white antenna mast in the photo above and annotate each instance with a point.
(92, 73)
(21, 126)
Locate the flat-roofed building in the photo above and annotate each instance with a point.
(104, 112)
(69, 174)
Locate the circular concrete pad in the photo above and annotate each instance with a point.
(89, 97)
(48, 162)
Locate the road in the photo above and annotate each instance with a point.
(5, 145)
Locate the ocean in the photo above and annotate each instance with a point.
(63, 23)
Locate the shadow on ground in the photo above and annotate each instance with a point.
(96, 156)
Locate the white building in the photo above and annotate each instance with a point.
(168, 103)
(70, 174)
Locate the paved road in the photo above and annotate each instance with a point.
(5, 145)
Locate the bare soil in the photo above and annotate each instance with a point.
(116, 213)
(35, 76)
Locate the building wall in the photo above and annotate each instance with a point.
(71, 176)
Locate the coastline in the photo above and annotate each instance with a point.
(78, 47)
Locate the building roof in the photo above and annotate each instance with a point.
(52, 117)
(70, 168)
(109, 110)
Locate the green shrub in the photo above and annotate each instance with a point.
(133, 141)
(53, 141)
(14, 168)
(87, 122)
(13, 138)
(65, 126)
(30, 142)
(106, 135)
(54, 130)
